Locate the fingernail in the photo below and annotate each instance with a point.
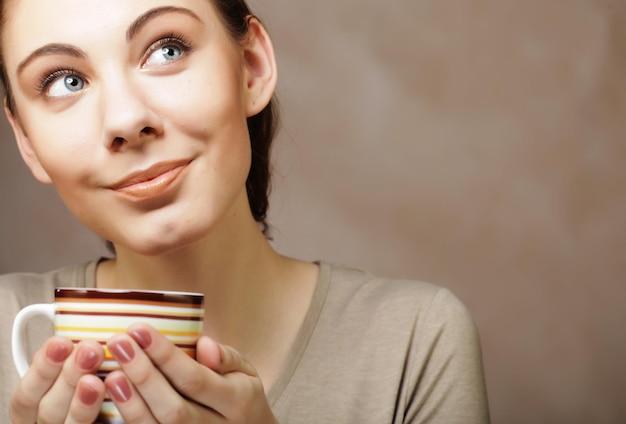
(57, 352)
(123, 351)
(86, 358)
(120, 391)
(87, 394)
(142, 337)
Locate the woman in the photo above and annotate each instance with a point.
(153, 120)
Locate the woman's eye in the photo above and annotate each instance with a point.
(65, 85)
(165, 54)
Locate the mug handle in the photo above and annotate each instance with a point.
(19, 332)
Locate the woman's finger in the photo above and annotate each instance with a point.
(151, 386)
(230, 359)
(186, 375)
(233, 391)
(85, 405)
(242, 395)
(85, 359)
(44, 370)
(128, 401)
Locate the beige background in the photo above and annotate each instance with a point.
(477, 144)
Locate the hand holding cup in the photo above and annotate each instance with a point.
(89, 318)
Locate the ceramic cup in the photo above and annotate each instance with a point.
(98, 314)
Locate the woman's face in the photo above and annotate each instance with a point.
(136, 112)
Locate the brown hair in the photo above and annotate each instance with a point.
(235, 14)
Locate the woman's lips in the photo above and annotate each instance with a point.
(151, 182)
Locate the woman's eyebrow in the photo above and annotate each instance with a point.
(51, 49)
(142, 20)
(133, 29)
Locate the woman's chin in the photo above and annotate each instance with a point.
(161, 247)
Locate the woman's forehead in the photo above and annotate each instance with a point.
(35, 18)
(29, 24)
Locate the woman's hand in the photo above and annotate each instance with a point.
(159, 383)
(60, 385)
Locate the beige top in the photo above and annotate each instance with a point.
(370, 350)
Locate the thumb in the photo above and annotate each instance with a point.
(221, 358)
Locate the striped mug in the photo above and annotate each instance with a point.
(98, 314)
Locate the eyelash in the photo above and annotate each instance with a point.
(172, 38)
(51, 76)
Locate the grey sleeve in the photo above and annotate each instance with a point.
(446, 369)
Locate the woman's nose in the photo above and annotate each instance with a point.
(128, 117)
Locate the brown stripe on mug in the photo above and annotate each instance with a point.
(125, 295)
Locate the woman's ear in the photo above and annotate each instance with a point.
(260, 67)
(25, 147)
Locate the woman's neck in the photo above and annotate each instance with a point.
(229, 266)
(210, 264)
(255, 299)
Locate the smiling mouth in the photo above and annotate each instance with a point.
(151, 182)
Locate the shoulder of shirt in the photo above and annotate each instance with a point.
(429, 300)
(354, 279)
(69, 276)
